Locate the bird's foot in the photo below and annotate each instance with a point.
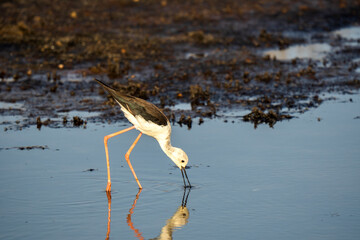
(108, 187)
(108, 194)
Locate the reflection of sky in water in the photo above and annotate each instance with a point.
(81, 114)
(357, 61)
(196, 55)
(11, 119)
(298, 180)
(11, 106)
(181, 106)
(349, 33)
(316, 51)
(7, 105)
(74, 76)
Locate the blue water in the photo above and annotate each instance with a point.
(299, 180)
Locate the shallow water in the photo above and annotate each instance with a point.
(181, 106)
(316, 51)
(81, 114)
(9, 106)
(352, 32)
(299, 180)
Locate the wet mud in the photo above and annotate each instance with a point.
(273, 59)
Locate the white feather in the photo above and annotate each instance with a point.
(161, 134)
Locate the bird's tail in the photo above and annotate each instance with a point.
(112, 91)
(121, 98)
(104, 85)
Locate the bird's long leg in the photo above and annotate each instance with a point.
(128, 160)
(183, 172)
(187, 179)
(109, 215)
(128, 218)
(106, 138)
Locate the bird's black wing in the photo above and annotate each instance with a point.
(137, 106)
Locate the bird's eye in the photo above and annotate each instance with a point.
(182, 161)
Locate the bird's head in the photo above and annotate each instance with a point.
(180, 218)
(179, 157)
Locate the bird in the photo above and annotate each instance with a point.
(178, 220)
(149, 120)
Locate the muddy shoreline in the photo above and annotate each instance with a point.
(206, 55)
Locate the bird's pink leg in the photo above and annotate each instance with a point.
(108, 194)
(106, 138)
(128, 160)
(129, 221)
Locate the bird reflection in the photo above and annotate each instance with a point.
(108, 194)
(129, 221)
(177, 220)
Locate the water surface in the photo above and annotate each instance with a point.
(316, 51)
(298, 180)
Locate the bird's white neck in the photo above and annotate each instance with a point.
(166, 146)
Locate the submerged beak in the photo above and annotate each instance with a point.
(183, 172)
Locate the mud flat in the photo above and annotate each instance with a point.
(276, 57)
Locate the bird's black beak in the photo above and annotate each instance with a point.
(183, 172)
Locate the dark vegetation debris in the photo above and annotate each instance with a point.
(40, 123)
(91, 170)
(77, 121)
(185, 120)
(27, 148)
(257, 117)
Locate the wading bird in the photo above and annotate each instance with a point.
(148, 119)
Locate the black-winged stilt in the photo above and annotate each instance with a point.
(148, 119)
